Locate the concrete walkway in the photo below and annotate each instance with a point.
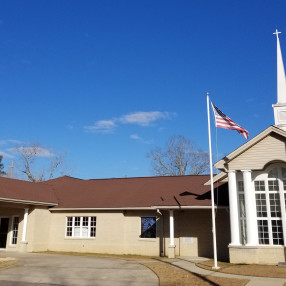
(66, 270)
(189, 264)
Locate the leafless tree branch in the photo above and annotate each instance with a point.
(28, 156)
(179, 157)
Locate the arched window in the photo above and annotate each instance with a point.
(268, 206)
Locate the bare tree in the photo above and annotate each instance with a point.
(179, 157)
(30, 155)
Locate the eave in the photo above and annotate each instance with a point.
(132, 208)
(27, 202)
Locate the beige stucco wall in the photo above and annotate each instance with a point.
(257, 255)
(118, 232)
(38, 229)
(193, 233)
(269, 149)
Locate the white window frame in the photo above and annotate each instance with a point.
(242, 217)
(147, 217)
(13, 231)
(263, 176)
(80, 227)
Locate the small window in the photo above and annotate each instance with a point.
(284, 185)
(15, 227)
(273, 186)
(148, 227)
(283, 173)
(275, 209)
(69, 226)
(277, 232)
(81, 227)
(263, 233)
(240, 186)
(261, 206)
(259, 186)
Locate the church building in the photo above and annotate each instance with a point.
(256, 175)
(162, 216)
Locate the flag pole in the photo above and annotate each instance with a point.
(212, 187)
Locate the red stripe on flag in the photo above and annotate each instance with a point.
(222, 121)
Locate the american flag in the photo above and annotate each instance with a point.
(222, 121)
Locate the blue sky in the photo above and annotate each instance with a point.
(107, 81)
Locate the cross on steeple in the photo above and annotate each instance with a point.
(277, 33)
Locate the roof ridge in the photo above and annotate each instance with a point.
(125, 178)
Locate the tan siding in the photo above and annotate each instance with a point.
(257, 255)
(38, 229)
(193, 233)
(269, 149)
(116, 233)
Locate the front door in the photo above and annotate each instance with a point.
(4, 224)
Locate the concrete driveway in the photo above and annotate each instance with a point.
(53, 269)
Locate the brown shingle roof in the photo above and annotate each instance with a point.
(26, 191)
(146, 192)
(135, 192)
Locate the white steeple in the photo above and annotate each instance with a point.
(280, 107)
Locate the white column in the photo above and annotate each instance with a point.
(250, 210)
(172, 241)
(233, 208)
(25, 220)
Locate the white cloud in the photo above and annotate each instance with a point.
(39, 151)
(135, 137)
(101, 126)
(141, 118)
(10, 141)
(140, 139)
(144, 118)
(6, 155)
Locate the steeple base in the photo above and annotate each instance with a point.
(280, 115)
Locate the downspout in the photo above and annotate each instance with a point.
(162, 240)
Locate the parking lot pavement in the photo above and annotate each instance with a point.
(68, 270)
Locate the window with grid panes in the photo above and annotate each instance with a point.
(268, 209)
(15, 227)
(81, 227)
(261, 212)
(263, 233)
(242, 215)
(284, 185)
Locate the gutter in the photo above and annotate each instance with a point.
(17, 201)
(136, 208)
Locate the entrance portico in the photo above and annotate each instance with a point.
(12, 225)
(256, 175)
(19, 225)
